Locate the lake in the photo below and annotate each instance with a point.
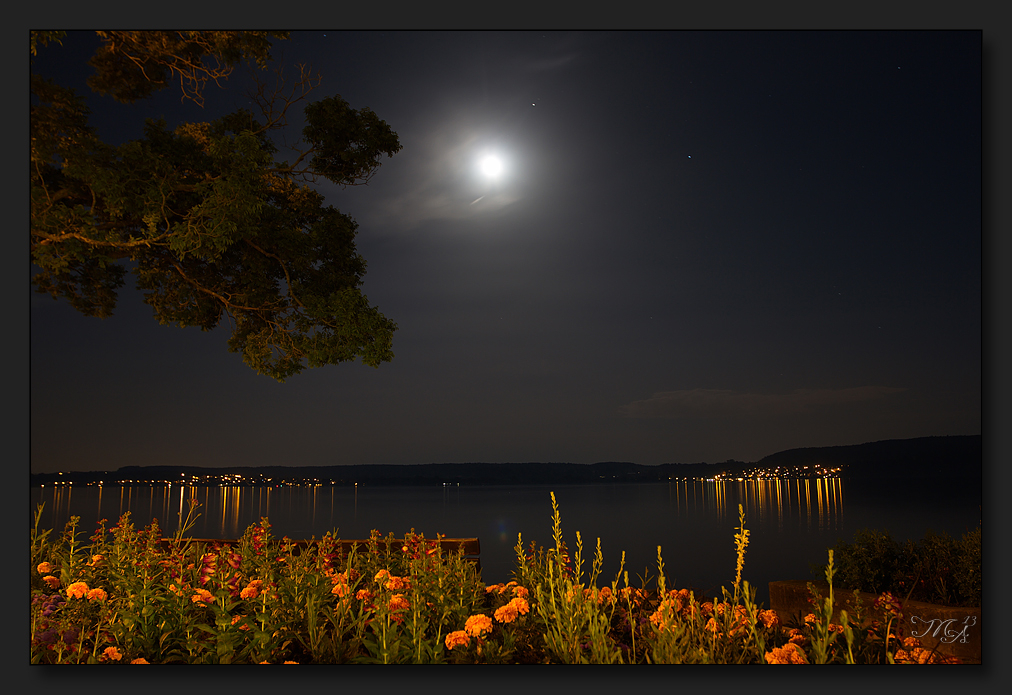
(791, 522)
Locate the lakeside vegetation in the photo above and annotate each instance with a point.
(126, 597)
(937, 569)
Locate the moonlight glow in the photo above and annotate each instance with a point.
(491, 166)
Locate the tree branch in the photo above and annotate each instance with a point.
(288, 279)
(197, 286)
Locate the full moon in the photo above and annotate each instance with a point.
(491, 166)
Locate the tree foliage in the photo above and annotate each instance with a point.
(218, 228)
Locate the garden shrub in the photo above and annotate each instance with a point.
(937, 569)
(967, 575)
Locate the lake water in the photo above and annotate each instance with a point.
(791, 522)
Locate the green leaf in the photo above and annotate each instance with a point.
(217, 231)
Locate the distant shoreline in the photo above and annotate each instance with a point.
(922, 458)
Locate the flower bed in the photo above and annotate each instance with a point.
(951, 631)
(127, 598)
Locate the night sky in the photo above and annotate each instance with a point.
(702, 246)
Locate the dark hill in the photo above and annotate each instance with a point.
(924, 457)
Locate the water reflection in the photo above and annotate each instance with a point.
(792, 521)
(816, 501)
(813, 504)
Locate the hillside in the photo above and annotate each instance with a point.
(924, 457)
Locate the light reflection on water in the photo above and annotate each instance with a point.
(791, 521)
(236, 507)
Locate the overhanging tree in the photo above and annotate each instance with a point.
(218, 229)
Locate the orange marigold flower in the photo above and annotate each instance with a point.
(380, 576)
(252, 590)
(790, 653)
(363, 595)
(678, 599)
(796, 636)
(603, 595)
(492, 587)
(44, 568)
(457, 638)
(657, 619)
(96, 560)
(202, 595)
(810, 618)
(912, 643)
(53, 582)
(140, 660)
(112, 654)
(398, 602)
(707, 608)
(340, 590)
(521, 605)
(97, 595)
(506, 614)
(397, 583)
(769, 618)
(476, 625)
(77, 590)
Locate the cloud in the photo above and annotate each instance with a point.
(547, 64)
(724, 403)
(436, 178)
